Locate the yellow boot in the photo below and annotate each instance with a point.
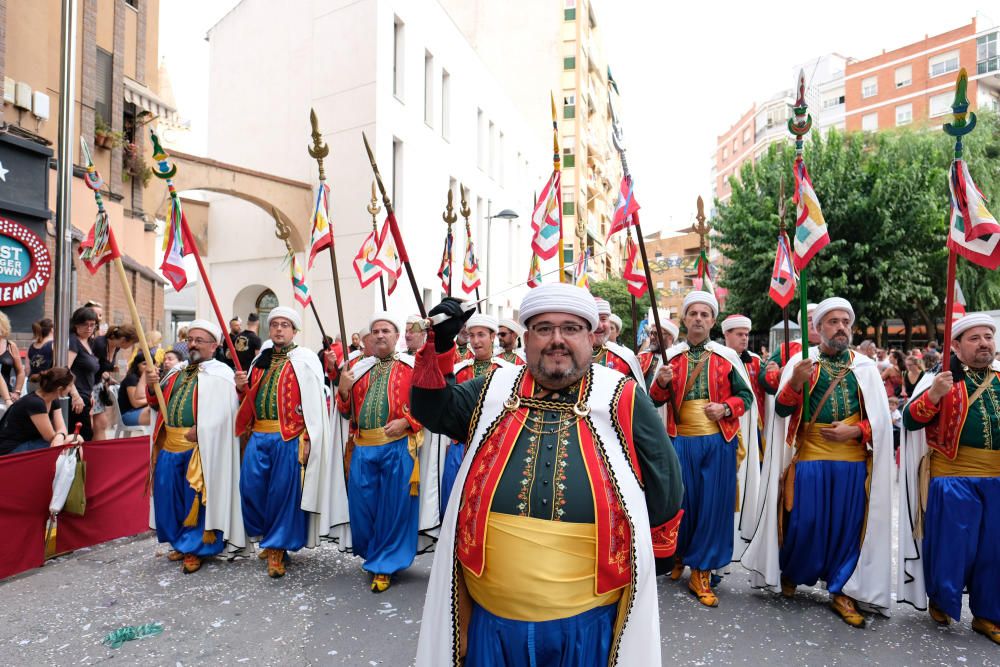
(700, 586)
(844, 607)
(989, 629)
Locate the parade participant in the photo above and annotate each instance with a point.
(367, 348)
(286, 468)
(708, 392)
(650, 359)
(952, 467)
(415, 336)
(223, 354)
(509, 334)
(615, 329)
(736, 330)
(196, 455)
(383, 483)
(482, 333)
(770, 374)
(462, 351)
(613, 355)
(556, 566)
(826, 503)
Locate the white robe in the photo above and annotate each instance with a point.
(640, 638)
(430, 457)
(871, 582)
(631, 359)
(219, 448)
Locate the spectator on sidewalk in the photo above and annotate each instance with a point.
(171, 359)
(10, 361)
(132, 394)
(40, 351)
(35, 420)
(85, 367)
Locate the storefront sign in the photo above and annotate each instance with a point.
(25, 264)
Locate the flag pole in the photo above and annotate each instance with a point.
(394, 228)
(799, 125)
(450, 218)
(466, 212)
(318, 151)
(557, 166)
(164, 170)
(373, 209)
(94, 181)
(783, 356)
(282, 232)
(963, 122)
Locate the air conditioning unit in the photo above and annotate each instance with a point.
(22, 96)
(40, 105)
(8, 90)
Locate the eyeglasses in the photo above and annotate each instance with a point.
(199, 341)
(566, 330)
(280, 324)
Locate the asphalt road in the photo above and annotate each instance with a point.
(322, 613)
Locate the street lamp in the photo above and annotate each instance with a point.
(505, 214)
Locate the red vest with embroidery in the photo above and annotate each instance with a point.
(400, 377)
(290, 419)
(944, 432)
(719, 390)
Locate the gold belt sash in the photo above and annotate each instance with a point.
(969, 462)
(175, 442)
(267, 426)
(814, 447)
(538, 570)
(693, 421)
(372, 437)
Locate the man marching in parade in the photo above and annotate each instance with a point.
(615, 328)
(383, 483)
(196, 456)
(951, 462)
(509, 333)
(482, 332)
(462, 350)
(415, 336)
(569, 487)
(610, 354)
(286, 469)
(707, 390)
(736, 329)
(650, 359)
(770, 374)
(826, 516)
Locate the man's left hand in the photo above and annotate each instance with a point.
(396, 429)
(715, 411)
(192, 434)
(841, 432)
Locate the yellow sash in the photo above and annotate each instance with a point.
(267, 426)
(372, 437)
(538, 570)
(969, 462)
(814, 447)
(693, 421)
(175, 442)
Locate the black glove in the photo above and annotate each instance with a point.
(445, 332)
(745, 357)
(957, 368)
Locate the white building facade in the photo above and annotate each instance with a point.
(401, 72)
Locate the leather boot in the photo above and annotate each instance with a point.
(700, 587)
(844, 607)
(989, 629)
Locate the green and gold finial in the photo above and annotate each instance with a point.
(964, 120)
(163, 169)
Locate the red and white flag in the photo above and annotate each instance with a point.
(783, 278)
(974, 232)
(635, 272)
(546, 220)
(387, 257)
(322, 231)
(626, 206)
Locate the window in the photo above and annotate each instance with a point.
(480, 139)
(869, 87)
(569, 208)
(397, 173)
(569, 107)
(266, 302)
(904, 114)
(428, 88)
(834, 100)
(569, 62)
(134, 4)
(674, 285)
(725, 152)
(941, 104)
(944, 63)
(492, 157)
(869, 122)
(747, 134)
(500, 149)
(445, 105)
(659, 284)
(568, 151)
(987, 53)
(102, 99)
(736, 144)
(904, 76)
(397, 58)
(569, 10)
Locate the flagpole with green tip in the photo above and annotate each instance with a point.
(799, 125)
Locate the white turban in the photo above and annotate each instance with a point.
(364, 331)
(559, 298)
(512, 325)
(205, 325)
(617, 321)
(665, 322)
(288, 313)
(809, 309)
(485, 321)
(700, 296)
(736, 322)
(603, 307)
(826, 306)
(385, 316)
(963, 324)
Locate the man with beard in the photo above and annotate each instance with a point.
(415, 336)
(508, 334)
(953, 431)
(651, 359)
(707, 391)
(482, 332)
(769, 376)
(613, 355)
(828, 516)
(384, 477)
(196, 456)
(285, 473)
(462, 351)
(545, 554)
(615, 328)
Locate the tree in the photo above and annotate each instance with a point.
(885, 200)
(615, 291)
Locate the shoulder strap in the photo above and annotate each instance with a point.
(983, 387)
(824, 398)
(692, 377)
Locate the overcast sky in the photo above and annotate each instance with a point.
(686, 72)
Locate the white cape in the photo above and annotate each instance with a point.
(631, 359)
(639, 643)
(219, 448)
(430, 457)
(871, 582)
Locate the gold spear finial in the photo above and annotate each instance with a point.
(374, 208)
(465, 210)
(449, 212)
(319, 149)
(702, 228)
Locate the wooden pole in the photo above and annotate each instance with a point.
(161, 403)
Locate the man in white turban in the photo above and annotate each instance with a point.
(650, 358)
(952, 432)
(613, 355)
(826, 495)
(707, 391)
(196, 455)
(615, 328)
(509, 334)
(568, 488)
(286, 466)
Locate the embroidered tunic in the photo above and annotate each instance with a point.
(181, 411)
(981, 419)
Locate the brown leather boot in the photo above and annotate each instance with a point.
(677, 570)
(700, 586)
(939, 616)
(988, 629)
(275, 563)
(191, 564)
(788, 588)
(173, 556)
(380, 583)
(844, 607)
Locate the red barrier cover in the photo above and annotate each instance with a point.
(116, 502)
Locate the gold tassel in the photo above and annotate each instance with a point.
(208, 537)
(192, 518)
(415, 478)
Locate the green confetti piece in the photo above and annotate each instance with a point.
(130, 632)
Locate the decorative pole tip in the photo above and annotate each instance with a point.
(963, 120)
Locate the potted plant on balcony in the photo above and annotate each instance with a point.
(101, 131)
(134, 165)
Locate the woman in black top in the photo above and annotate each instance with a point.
(912, 375)
(86, 368)
(10, 361)
(35, 421)
(132, 394)
(108, 348)
(40, 351)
